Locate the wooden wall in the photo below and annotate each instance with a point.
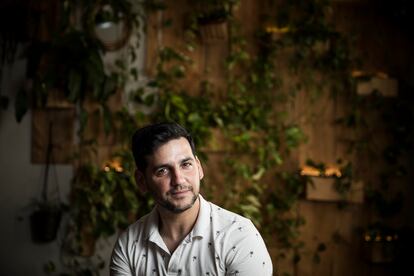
(376, 41)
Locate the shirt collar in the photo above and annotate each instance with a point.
(200, 228)
(152, 232)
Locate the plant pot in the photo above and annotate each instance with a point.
(380, 83)
(44, 225)
(323, 189)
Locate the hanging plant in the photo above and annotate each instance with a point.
(45, 220)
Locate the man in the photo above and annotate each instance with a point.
(184, 234)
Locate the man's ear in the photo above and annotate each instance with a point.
(200, 168)
(140, 180)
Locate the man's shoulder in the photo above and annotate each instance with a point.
(225, 217)
(136, 229)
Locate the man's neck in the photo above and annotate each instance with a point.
(175, 227)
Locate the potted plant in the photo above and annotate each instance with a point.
(332, 183)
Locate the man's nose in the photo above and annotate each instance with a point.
(178, 177)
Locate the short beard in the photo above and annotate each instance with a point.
(177, 210)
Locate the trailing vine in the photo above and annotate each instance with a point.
(295, 49)
(257, 132)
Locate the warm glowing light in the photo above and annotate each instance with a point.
(113, 164)
(380, 238)
(382, 75)
(333, 171)
(329, 171)
(277, 30)
(360, 73)
(357, 73)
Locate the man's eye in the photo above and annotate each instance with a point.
(161, 172)
(187, 164)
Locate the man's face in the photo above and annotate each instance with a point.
(173, 175)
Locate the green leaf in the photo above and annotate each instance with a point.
(294, 136)
(253, 200)
(278, 158)
(107, 200)
(259, 174)
(178, 102)
(249, 210)
(194, 117)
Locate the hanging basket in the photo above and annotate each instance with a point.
(45, 220)
(44, 225)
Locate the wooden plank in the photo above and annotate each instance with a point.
(61, 121)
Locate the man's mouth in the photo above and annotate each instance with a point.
(180, 191)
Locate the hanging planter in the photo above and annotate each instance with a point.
(45, 220)
(110, 24)
(44, 223)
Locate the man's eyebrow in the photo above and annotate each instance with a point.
(187, 159)
(163, 165)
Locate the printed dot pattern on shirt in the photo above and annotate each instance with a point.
(201, 253)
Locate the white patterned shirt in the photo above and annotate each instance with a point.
(220, 243)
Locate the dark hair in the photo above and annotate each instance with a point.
(148, 139)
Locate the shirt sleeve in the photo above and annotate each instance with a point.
(119, 265)
(246, 253)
